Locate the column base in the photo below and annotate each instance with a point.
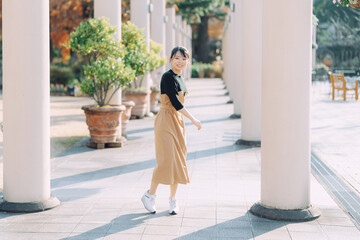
(149, 114)
(299, 215)
(248, 143)
(235, 116)
(29, 207)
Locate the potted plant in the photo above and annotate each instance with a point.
(137, 57)
(125, 118)
(103, 71)
(155, 62)
(200, 68)
(328, 60)
(209, 70)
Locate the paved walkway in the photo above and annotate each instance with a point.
(67, 122)
(100, 190)
(336, 132)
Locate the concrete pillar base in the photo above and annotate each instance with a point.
(248, 143)
(235, 116)
(298, 215)
(29, 207)
(149, 114)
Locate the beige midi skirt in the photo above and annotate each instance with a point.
(170, 144)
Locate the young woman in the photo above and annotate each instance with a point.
(170, 146)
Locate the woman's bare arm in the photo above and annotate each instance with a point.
(187, 114)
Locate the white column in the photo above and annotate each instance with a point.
(225, 52)
(232, 61)
(315, 46)
(189, 32)
(178, 39)
(170, 32)
(26, 106)
(110, 9)
(158, 34)
(183, 33)
(285, 126)
(140, 16)
(235, 58)
(249, 21)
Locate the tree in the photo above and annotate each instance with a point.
(94, 39)
(198, 13)
(345, 20)
(338, 33)
(65, 15)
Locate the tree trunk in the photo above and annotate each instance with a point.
(51, 51)
(203, 45)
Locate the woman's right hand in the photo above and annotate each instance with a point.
(197, 123)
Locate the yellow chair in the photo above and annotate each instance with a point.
(338, 83)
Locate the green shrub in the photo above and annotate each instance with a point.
(135, 54)
(194, 72)
(198, 68)
(155, 60)
(208, 69)
(61, 75)
(95, 41)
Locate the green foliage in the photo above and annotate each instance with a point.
(136, 55)
(61, 74)
(94, 40)
(345, 2)
(155, 60)
(194, 73)
(345, 22)
(193, 10)
(200, 67)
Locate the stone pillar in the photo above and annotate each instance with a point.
(170, 32)
(158, 34)
(235, 58)
(249, 20)
(285, 125)
(188, 46)
(26, 107)
(183, 33)
(178, 39)
(232, 61)
(225, 53)
(140, 16)
(185, 44)
(111, 9)
(314, 46)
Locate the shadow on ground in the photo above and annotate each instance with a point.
(138, 166)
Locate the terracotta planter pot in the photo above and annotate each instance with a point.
(201, 74)
(356, 5)
(125, 118)
(140, 99)
(211, 75)
(154, 100)
(328, 62)
(103, 122)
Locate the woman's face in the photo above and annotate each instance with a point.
(178, 61)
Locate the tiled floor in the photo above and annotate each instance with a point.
(100, 190)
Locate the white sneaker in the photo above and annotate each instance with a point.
(174, 207)
(149, 202)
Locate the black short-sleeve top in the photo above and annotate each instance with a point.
(171, 84)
